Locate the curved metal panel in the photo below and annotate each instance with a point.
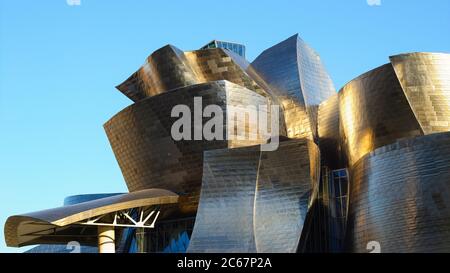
(169, 68)
(316, 84)
(374, 112)
(278, 68)
(217, 64)
(284, 185)
(425, 78)
(165, 69)
(149, 157)
(253, 201)
(21, 230)
(224, 221)
(296, 75)
(399, 197)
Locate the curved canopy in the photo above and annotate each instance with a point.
(61, 224)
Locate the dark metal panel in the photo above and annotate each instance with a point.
(328, 129)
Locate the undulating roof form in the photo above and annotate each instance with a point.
(56, 225)
(169, 68)
(64, 247)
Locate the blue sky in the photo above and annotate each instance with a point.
(59, 65)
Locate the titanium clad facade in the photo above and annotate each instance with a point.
(216, 64)
(316, 84)
(425, 78)
(253, 201)
(374, 112)
(169, 68)
(286, 181)
(400, 197)
(224, 221)
(367, 164)
(149, 157)
(163, 70)
(278, 67)
(295, 73)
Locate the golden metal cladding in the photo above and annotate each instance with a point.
(149, 157)
(170, 68)
(373, 112)
(408, 97)
(425, 78)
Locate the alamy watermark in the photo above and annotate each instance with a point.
(374, 2)
(74, 246)
(73, 2)
(243, 123)
(374, 247)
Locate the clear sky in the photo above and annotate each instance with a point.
(59, 65)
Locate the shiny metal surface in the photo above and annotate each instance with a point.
(140, 136)
(253, 201)
(224, 221)
(285, 181)
(296, 75)
(425, 78)
(170, 68)
(316, 84)
(374, 112)
(163, 70)
(400, 196)
(246, 200)
(40, 227)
